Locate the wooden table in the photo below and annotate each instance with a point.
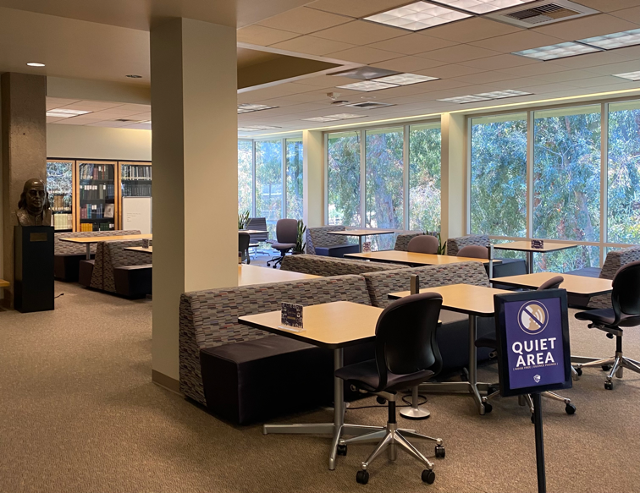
(578, 285)
(414, 258)
(93, 240)
(145, 250)
(334, 325)
(257, 275)
(525, 246)
(4, 284)
(476, 301)
(362, 232)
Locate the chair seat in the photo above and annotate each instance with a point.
(279, 246)
(487, 343)
(365, 376)
(606, 317)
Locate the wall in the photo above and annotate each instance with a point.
(77, 141)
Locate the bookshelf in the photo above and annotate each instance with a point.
(60, 186)
(97, 207)
(135, 195)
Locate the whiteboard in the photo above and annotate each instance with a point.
(136, 214)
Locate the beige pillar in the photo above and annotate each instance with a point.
(24, 152)
(313, 173)
(454, 176)
(195, 173)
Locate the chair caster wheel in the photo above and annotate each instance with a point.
(362, 477)
(570, 409)
(381, 400)
(342, 450)
(440, 452)
(579, 371)
(487, 407)
(428, 476)
(606, 368)
(608, 385)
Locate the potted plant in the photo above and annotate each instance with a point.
(300, 243)
(243, 219)
(442, 248)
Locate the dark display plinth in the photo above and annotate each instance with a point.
(33, 268)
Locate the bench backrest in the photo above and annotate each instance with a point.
(60, 247)
(320, 237)
(209, 318)
(403, 239)
(331, 266)
(457, 243)
(110, 255)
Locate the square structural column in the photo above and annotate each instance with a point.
(313, 178)
(453, 176)
(195, 173)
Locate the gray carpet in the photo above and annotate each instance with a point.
(78, 412)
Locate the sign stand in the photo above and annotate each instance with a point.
(537, 419)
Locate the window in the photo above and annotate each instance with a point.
(294, 178)
(269, 182)
(566, 183)
(245, 176)
(344, 179)
(424, 177)
(499, 175)
(624, 173)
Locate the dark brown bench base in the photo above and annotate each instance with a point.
(338, 250)
(66, 267)
(133, 281)
(85, 269)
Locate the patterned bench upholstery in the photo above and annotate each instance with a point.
(209, 318)
(457, 243)
(613, 262)
(331, 266)
(111, 255)
(403, 239)
(320, 237)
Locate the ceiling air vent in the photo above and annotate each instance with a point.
(369, 105)
(542, 13)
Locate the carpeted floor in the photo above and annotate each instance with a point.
(78, 412)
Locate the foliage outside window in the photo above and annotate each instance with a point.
(344, 179)
(245, 175)
(294, 178)
(269, 182)
(424, 177)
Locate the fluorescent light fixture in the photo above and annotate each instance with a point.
(561, 50)
(417, 16)
(334, 118)
(368, 86)
(321, 119)
(509, 93)
(465, 99)
(405, 79)
(252, 128)
(614, 40)
(65, 113)
(250, 107)
(35, 64)
(483, 6)
(632, 76)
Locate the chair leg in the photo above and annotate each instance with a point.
(631, 364)
(379, 449)
(373, 436)
(412, 450)
(596, 363)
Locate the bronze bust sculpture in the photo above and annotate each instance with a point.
(34, 208)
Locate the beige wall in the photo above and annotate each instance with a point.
(77, 141)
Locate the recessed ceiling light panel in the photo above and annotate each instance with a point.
(483, 6)
(321, 119)
(465, 99)
(334, 118)
(632, 76)
(561, 50)
(509, 93)
(406, 79)
(252, 128)
(251, 107)
(417, 16)
(368, 86)
(35, 64)
(65, 113)
(614, 40)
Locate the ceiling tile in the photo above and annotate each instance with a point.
(470, 30)
(363, 54)
(323, 81)
(304, 20)
(312, 45)
(59, 102)
(458, 53)
(53, 119)
(566, 76)
(608, 5)
(409, 64)
(599, 81)
(449, 71)
(412, 44)
(631, 15)
(523, 40)
(594, 25)
(356, 8)
(360, 33)
(500, 62)
(263, 36)
(614, 68)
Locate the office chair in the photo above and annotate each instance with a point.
(475, 251)
(423, 244)
(569, 407)
(243, 245)
(625, 312)
(287, 236)
(259, 224)
(406, 354)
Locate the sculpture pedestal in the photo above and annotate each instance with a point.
(33, 282)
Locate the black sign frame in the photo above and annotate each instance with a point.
(503, 365)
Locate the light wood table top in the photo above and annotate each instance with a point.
(257, 275)
(4, 284)
(333, 325)
(525, 246)
(253, 232)
(106, 238)
(467, 299)
(362, 232)
(402, 257)
(146, 250)
(579, 285)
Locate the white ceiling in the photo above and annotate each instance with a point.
(469, 56)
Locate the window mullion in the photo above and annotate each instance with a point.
(363, 188)
(604, 173)
(530, 158)
(405, 174)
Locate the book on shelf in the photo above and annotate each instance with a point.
(92, 171)
(63, 221)
(135, 172)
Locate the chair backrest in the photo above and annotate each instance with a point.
(456, 243)
(243, 241)
(625, 297)
(403, 239)
(476, 251)
(258, 224)
(287, 231)
(551, 283)
(406, 336)
(423, 244)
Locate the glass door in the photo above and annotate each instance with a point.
(97, 199)
(60, 189)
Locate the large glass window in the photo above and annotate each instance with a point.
(499, 175)
(424, 177)
(566, 182)
(245, 175)
(294, 178)
(624, 173)
(344, 179)
(269, 182)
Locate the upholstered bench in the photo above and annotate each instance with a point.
(331, 266)
(337, 250)
(133, 281)
(66, 267)
(85, 272)
(322, 243)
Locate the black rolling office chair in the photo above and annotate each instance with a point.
(423, 244)
(287, 236)
(406, 355)
(625, 312)
(243, 246)
(569, 407)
